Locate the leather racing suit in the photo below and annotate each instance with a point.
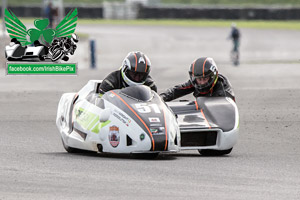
(222, 88)
(115, 81)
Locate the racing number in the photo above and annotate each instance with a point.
(144, 108)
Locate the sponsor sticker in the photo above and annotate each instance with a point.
(157, 125)
(142, 136)
(123, 118)
(157, 130)
(114, 136)
(154, 119)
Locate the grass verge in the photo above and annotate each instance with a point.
(257, 24)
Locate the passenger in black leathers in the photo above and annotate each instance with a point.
(205, 81)
(134, 71)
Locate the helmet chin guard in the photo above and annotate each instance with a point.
(128, 81)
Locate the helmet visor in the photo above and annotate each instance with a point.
(137, 77)
(202, 82)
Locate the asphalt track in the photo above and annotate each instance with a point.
(263, 165)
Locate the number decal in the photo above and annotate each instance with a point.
(144, 108)
(155, 108)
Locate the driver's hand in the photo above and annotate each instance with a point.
(163, 96)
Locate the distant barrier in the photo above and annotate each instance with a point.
(118, 10)
(38, 11)
(219, 13)
(179, 12)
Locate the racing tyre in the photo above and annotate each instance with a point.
(74, 150)
(42, 58)
(69, 149)
(210, 152)
(57, 55)
(144, 155)
(66, 58)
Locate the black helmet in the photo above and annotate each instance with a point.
(204, 68)
(135, 68)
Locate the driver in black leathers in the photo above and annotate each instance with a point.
(204, 81)
(134, 71)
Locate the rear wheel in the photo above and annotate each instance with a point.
(211, 152)
(66, 58)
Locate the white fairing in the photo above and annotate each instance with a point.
(228, 139)
(10, 49)
(35, 50)
(82, 127)
(224, 140)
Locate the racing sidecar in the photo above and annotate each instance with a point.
(130, 120)
(15, 52)
(209, 124)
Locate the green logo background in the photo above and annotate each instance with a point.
(16, 29)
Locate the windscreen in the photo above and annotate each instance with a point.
(139, 92)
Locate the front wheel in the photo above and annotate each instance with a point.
(74, 150)
(69, 149)
(211, 152)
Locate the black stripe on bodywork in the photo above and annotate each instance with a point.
(218, 111)
(159, 139)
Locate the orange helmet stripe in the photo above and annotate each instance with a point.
(146, 64)
(135, 62)
(193, 68)
(204, 66)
